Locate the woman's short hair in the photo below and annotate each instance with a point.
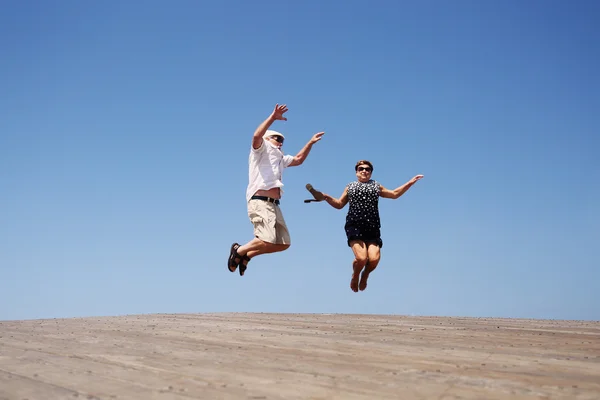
(362, 162)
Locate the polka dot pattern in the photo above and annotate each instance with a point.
(362, 221)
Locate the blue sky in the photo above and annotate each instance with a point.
(126, 128)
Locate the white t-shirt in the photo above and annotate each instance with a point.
(266, 165)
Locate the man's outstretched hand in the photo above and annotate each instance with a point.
(278, 112)
(316, 137)
(416, 178)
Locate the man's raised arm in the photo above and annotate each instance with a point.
(277, 114)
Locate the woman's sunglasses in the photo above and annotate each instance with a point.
(368, 169)
(278, 138)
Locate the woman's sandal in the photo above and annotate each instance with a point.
(318, 196)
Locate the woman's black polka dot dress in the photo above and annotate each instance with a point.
(362, 221)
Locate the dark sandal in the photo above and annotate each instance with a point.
(233, 255)
(243, 266)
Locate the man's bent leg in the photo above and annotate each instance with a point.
(270, 231)
(256, 247)
(269, 248)
(263, 216)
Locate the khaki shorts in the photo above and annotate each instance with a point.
(269, 225)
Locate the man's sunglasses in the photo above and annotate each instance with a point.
(368, 169)
(278, 138)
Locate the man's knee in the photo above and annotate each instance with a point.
(282, 247)
(276, 247)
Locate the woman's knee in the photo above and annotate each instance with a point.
(361, 258)
(374, 255)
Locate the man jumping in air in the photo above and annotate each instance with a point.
(266, 165)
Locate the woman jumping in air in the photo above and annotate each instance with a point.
(362, 222)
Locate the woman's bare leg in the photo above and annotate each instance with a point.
(374, 255)
(360, 260)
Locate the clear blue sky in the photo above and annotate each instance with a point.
(125, 129)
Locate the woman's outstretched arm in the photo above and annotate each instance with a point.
(399, 191)
(337, 203)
